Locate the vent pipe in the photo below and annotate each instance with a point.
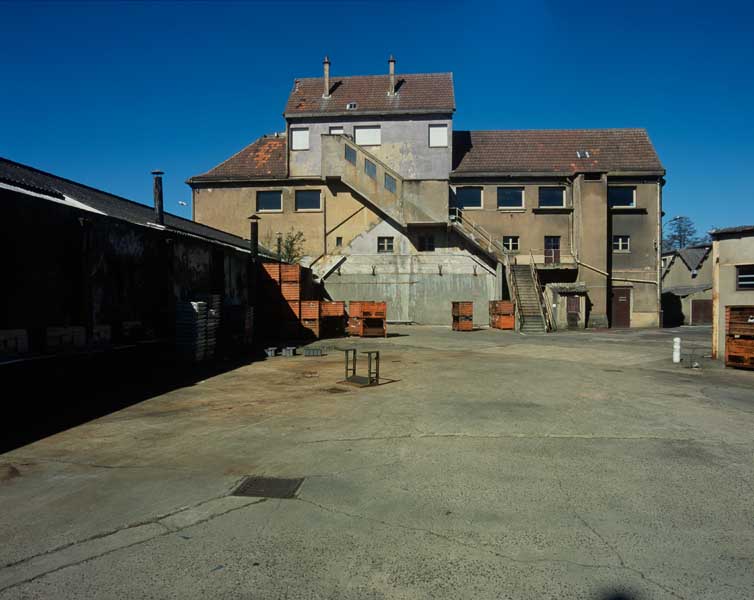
(254, 237)
(159, 215)
(391, 69)
(326, 64)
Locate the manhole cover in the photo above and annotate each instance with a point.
(336, 390)
(268, 487)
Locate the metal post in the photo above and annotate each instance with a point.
(280, 246)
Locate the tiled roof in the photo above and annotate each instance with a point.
(417, 93)
(694, 256)
(732, 230)
(263, 159)
(553, 151)
(81, 196)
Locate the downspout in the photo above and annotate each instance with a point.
(658, 253)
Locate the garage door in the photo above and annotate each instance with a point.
(701, 312)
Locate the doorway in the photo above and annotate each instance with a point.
(621, 307)
(573, 311)
(701, 312)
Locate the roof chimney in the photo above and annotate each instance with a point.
(326, 64)
(391, 67)
(159, 216)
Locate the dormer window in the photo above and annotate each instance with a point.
(582, 154)
(351, 106)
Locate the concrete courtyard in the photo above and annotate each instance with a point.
(491, 465)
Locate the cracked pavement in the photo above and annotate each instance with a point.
(492, 466)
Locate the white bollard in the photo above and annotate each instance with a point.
(676, 350)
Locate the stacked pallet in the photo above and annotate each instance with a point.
(463, 316)
(214, 308)
(739, 337)
(502, 315)
(367, 319)
(191, 330)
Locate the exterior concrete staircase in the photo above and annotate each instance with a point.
(530, 306)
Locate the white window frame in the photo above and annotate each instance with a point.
(303, 210)
(364, 128)
(633, 202)
(268, 210)
(481, 197)
(512, 208)
(517, 238)
(337, 130)
(437, 127)
(621, 248)
(294, 131)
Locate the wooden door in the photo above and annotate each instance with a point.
(573, 311)
(701, 312)
(621, 307)
(552, 249)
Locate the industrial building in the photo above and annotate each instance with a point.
(687, 286)
(398, 206)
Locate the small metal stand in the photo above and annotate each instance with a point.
(373, 368)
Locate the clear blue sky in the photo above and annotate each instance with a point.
(104, 93)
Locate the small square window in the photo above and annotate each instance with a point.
(370, 168)
(438, 136)
(621, 196)
(350, 154)
(510, 243)
(390, 183)
(308, 200)
(426, 243)
(621, 243)
(468, 197)
(300, 139)
(270, 201)
(338, 242)
(551, 197)
(510, 197)
(384, 244)
(745, 278)
(338, 129)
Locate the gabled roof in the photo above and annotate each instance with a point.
(694, 256)
(554, 151)
(415, 94)
(263, 159)
(80, 196)
(747, 229)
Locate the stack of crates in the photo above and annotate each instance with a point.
(739, 337)
(463, 316)
(367, 318)
(333, 318)
(310, 318)
(502, 315)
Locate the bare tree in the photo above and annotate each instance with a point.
(680, 232)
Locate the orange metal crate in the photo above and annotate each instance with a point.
(501, 307)
(332, 309)
(290, 273)
(502, 321)
(463, 323)
(290, 291)
(310, 309)
(272, 270)
(462, 309)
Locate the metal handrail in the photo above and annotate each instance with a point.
(511, 280)
(544, 306)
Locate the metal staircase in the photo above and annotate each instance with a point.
(532, 319)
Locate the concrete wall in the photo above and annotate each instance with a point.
(727, 253)
(404, 148)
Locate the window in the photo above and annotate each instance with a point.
(308, 200)
(438, 136)
(299, 139)
(367, 136)
(390, 183)
(551, 197)
(370, 168)
(510, 243)
(621, 196)
(745, 278)
(510, 197)
(621, 243)
(338, 242)
(350, 154)
(351, 106)
(469, 197)
(270, 201)
(552, 249)
(338, 129)
(384, 244)
(426, 243)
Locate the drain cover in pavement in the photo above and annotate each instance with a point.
(268, 487)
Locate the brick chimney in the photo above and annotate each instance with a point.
(159, 215)
(391, 68)
(326, 64)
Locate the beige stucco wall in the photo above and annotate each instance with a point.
(727, 253)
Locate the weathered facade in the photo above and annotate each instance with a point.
(395, 205)
(732, 277)
(687, 287)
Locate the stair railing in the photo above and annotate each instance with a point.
(510, 278)
(544, 306)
